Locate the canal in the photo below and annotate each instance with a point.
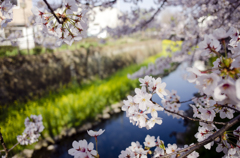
(119, 132)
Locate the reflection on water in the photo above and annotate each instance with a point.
(119, 132)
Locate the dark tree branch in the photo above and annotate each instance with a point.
(107, 3)
(153, 16)
(179, 102)
(185, 101)
(178, 152)
(193, 119)
(212, 137)
(14, 146)
(49, 7)
(4, 145)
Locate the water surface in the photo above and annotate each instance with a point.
(119, 132)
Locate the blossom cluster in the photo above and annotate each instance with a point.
(33, 128)
(172, 103)
(67, 24)
(136, 149)
(219, 89)
(139, 106)
(7, 14)
(82, 149)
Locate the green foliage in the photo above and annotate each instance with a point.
(211, 60)
(5, 49)
(37, 50)
(49, 50)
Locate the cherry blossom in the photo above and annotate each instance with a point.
(82, 149)
(171, 148)
(219, 86)
(160, 89)
(207, 114)
(225, 90)
(69, 26)
(223, 147)
(237, 132)
(208, 82)
(150, 141)
(226, 112)
(95, 133)
(34, 126)
(6, 10)
(209, 45)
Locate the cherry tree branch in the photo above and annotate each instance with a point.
(177, 152)
(152, 17)
(184, 101)
(49, 7)
(190, 118)
(179, 102)
(99, 5)
(4, 145)
(212, 137)
(14, 146)
(193, 119)
(107, 3)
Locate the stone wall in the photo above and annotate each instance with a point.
(25, 77)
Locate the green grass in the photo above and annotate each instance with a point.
(71, 106)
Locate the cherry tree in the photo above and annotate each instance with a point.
(208, 28)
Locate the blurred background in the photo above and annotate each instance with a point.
(80, 87)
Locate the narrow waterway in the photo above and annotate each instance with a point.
(119, 132)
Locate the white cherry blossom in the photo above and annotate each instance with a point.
(82, 149)
(225, 90)
(150, 141)
(160, 90)
(209, 45)
(208, 82)
(95, 133)
(207, 114)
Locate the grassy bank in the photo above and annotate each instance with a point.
(71, 106)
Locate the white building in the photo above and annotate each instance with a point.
(21, 12)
